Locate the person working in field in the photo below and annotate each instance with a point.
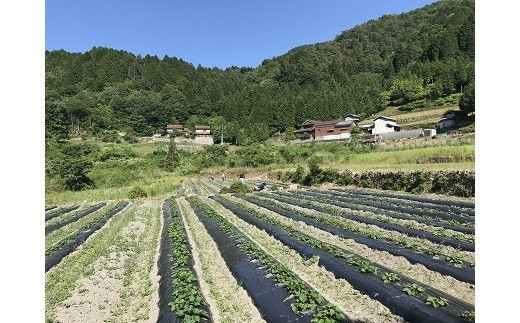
(223, 177)
(242, 178)
(261, 187)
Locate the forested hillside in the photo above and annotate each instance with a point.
(412, 58)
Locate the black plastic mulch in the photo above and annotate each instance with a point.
(269, 297)
(387, 207)
(459, 244)
(80, 237)
(410, 308)
(388, 198)
(87, 211)
(446, 202)
(61, 211)
(165, 269)
(465, 273)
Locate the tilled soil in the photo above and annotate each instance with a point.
(123, 286)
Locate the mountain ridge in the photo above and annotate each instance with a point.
(423, 54)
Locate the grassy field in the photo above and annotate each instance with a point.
(117, 168)
(421, 117)
(162, 186)
(410, 155)
(413, 119)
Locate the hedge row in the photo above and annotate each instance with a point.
(456, 183)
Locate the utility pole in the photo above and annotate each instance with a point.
(222, 135)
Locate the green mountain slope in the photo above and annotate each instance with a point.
(401, 60)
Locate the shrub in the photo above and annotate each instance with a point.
(254, 156)
(172, 157)
(366, 183)
(109, 136)
(137, 192)
(456, 183)
(439, 184)
(317, 175)
(421, 182)
(303, 135)
(288, 155)
(130, 137)
(69, 165)
(116, 153)
(236, 187)
(390, 184)
(345, 178)
(298, 175)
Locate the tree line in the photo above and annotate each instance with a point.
(413, 57)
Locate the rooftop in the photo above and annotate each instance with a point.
(385, 118)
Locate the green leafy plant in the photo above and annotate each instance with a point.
(374, 235)
(236, 187)
(327, 314)
(368, 268)
(413, 289)
(455, 259)
(464, 238)
(137, 192)
(390, 278)
(187, 301)
(432, 251)
(436, 301)
(363, 266)
(468, 316)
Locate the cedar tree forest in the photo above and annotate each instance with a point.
(417, 56)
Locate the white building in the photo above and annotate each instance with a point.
(384, 124)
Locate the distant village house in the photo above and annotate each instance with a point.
(174, 129)
(202, 130)
(202, 135)
(328, 130)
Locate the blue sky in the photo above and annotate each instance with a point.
(218, 33)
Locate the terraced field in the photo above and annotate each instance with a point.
(306, 255)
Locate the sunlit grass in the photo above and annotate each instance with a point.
(153, 186)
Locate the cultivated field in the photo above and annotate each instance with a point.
(280, 255)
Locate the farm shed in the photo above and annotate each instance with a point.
(203, 135)
(415, 133)
(449, 118)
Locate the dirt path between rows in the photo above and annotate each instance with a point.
(123, 286)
